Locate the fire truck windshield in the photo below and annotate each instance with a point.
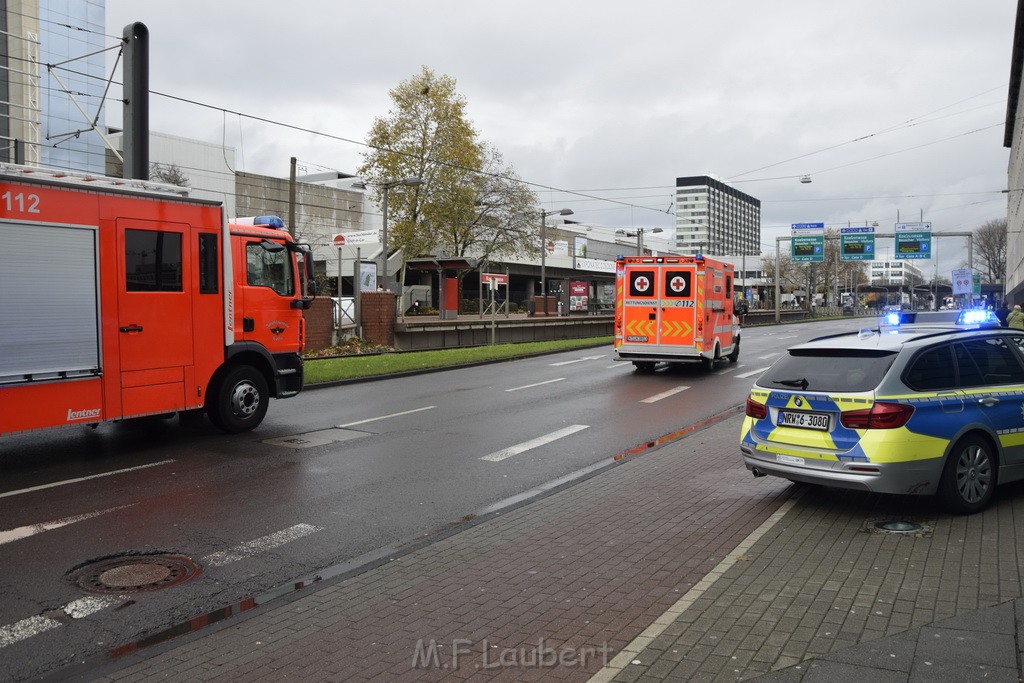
(271, 269)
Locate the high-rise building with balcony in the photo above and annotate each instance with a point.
(714, 218)
(49, 113)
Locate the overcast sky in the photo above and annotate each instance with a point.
(894, 108)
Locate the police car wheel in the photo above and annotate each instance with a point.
(969, 476)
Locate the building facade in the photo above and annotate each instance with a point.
(41, 115)
(895, 273)
(714, 218)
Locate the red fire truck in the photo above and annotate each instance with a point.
(674, 309)
(124, 298)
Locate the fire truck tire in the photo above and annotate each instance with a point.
(735, 355)
(240, 400)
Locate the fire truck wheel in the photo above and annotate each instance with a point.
(240, 400)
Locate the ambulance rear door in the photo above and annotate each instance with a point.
(680, 285)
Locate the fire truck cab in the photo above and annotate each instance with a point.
(125, 298)
(674, 309)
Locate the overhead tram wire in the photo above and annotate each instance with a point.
(584, 195)
(890, 129)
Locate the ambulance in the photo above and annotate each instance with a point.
(674, 309)
(125, 298)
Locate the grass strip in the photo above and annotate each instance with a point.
(318, 370)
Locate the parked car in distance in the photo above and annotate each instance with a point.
(909, 410)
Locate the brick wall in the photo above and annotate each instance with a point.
(319, 324)
(378, 317)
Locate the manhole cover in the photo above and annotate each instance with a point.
(134, 573)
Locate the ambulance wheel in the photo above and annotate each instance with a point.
(643, 365)
(239, 401)
(735, 355)
(969, 476)
(709, 363)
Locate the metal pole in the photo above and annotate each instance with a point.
(357, 293)
(384, 241)
(778, 287)
(543, 253)
(640, 242)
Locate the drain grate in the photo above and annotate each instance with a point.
(134, 573)
(902, 525)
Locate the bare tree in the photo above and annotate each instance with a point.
(990, 246)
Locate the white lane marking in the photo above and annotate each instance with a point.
(498, 456)
(727, 369)
(768, 356)
(538, 384)
(790, 336)
(751, 373)
(33, 626)
(75, 481)
(26, 628)
(664, 394)
(250, 548)
(83, 607)
(578, 360)
(385, 417)
(33, 529)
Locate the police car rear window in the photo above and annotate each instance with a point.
(828, 370)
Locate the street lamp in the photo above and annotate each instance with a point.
(639, 235)
(544, 248)
(411, 181)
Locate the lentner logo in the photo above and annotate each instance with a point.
(87, 414)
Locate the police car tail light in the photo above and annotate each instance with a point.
(879, 416)
(756, 410)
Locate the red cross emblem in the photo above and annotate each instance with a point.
(641, 284)
(678, 285)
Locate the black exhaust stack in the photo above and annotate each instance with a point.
(135, 141)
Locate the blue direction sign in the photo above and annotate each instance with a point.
(808, 242)
(913, 240)
(857, 244)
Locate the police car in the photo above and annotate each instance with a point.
(907, 410)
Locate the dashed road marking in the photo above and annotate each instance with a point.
(33, 626)
(75, 481)
(498, 456)
(538, 384)
(33, 529)
(577, 360)
(664, 394)
(254, 547)
(385, 417)
(751, 373)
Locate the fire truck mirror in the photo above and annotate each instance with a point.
(272, 247)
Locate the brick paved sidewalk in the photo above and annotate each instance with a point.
(825, 578)
(574, 576)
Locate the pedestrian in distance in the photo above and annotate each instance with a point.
(1016, 319)
(1002, 312)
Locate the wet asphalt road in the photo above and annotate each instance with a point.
(336, 475)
